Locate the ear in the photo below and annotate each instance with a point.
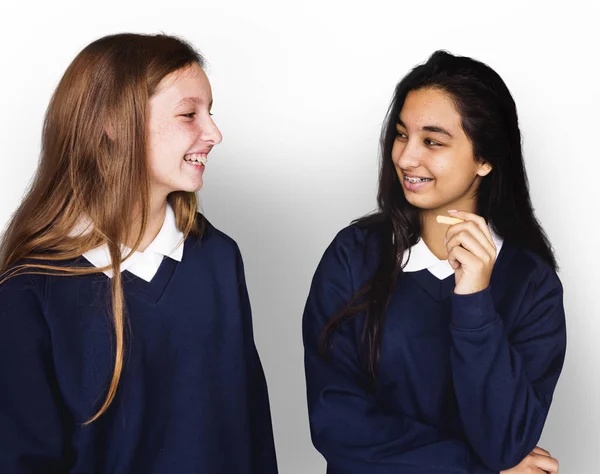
(484, 169)
(110, 133)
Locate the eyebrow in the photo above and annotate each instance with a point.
(429, 128)
(192, 100)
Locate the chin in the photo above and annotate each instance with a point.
(422, 202)
(193, 185)
(187, 187)
(430, 200)
(192, 189)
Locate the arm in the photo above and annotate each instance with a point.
(504, 383)
(348, 427)
(32, 415)
(263, 448)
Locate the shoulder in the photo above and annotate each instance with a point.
(352, 241)
(19, 279)
(213, 240)
(528, 268)
(353, 253)
(21, 294)
(527, 290)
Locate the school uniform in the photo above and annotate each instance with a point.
(192, 397)
(464, 382)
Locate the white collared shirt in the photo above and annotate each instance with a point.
(168, 243)
(422, 258)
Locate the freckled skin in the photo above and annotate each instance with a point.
(171, 135)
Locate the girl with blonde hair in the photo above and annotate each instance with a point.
(126, 341)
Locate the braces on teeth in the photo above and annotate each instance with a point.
(416, 180)
(196, 159)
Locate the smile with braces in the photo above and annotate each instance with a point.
(196, 158)
(412, 180)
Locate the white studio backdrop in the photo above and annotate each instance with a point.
(300, 91)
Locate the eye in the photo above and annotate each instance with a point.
(430, 142)
(191, 115)
(401, 135)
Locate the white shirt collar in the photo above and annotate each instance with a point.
(422, 258)
(168, 243)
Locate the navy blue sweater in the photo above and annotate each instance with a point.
(465, 381)
(192, 396)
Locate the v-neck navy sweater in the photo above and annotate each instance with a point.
(465, 381)
(192, 396)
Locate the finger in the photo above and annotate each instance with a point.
(476, 232)
(470, 243)
(452, 260)
(527, 469)
(545, 462)
(460, 256)
(478, 220)
(475, 229)
(542, 451)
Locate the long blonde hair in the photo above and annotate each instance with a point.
(84, 174)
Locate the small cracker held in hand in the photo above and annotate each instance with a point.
(448, 220)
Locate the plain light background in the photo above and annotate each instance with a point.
(300, 90)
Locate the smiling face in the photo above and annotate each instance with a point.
(181, 132)
(433, 156)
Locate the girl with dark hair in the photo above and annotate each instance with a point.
(436, 347)
(126, 340)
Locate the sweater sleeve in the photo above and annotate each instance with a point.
(33, 419)
(348, 426)
(504, 381)
(264, 459)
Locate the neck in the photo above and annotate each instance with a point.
(156, 218)
(433, 233)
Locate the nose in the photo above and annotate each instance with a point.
(409, 156)
(210, 132)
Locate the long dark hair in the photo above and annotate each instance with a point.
(489, 119)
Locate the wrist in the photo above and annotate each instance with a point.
(473, 310)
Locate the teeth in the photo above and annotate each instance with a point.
(412, 180)
(196, 158)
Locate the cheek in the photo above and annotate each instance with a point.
(166, 140)
(156, 137)
(454, 174)
(452, 166)
(442, 166)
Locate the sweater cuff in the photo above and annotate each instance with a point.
(473, 311)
